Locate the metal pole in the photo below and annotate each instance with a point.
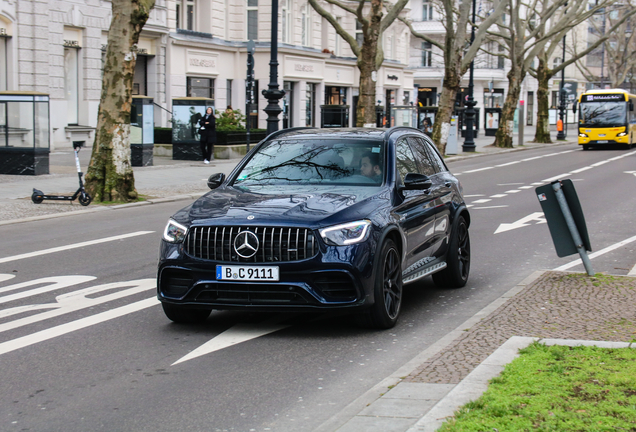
(567, 214)
(273, 94)
(521, 122)
(249, 89)
(561, 133)
(469, 142)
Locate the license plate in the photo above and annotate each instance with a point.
(602, 142)
(247, 273)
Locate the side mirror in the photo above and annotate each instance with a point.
(574, 107)
(216, 180)
(414, 181)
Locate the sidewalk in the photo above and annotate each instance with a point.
(167, 180)
(571, 307)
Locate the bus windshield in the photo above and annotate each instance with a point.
(603, 114)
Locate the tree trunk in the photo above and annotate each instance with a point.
(365, 111)
(503, 137)
(441, 127)
(110, 176)
(542, 135)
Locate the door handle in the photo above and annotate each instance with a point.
(448, 184)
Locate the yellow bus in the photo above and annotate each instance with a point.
(606, 118)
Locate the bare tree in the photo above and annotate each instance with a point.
(525, 29)
(543, 73)
(458, 53)
(110, 176)
(372, 18)
(619, 44)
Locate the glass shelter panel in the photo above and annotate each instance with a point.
(20, 124)
(41, 111)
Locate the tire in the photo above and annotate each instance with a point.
(387, 289)
(84, 199)
(37, 199)
(185, 315)
(586, 147)
(455, 275)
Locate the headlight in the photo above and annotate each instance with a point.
(174, 232)
(582, 135)
(622, 134)
(346, 234)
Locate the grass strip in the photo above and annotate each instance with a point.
(557, 388)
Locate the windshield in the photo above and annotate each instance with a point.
(332, 162)
(603, 114)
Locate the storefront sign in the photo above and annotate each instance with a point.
(303, 67)
(3, 31)
(392, 77)
(202, 62)
(71, 44)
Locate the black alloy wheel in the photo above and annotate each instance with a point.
(388, 289)
(185, 315)
(455, 275)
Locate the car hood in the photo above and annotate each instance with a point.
(265, 204)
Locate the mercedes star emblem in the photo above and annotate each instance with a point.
(246, 244)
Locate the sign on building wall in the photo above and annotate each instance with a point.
(202, 62)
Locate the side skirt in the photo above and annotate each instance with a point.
(424, 272)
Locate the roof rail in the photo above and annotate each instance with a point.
(279, 132)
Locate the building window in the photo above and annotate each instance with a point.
(185, 14)
(555, 99)
(388, 47)
(427, 10)
(359, 34)
(500, 58)
(228, 94)
(71, 84)
(427, 54)
(406, 98)
(310, 104)
(140, 79)
(252, 19)
(286, 22)
(201, 87)
(305, 18)
(288, 104)
(335, 95)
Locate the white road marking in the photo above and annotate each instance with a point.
(53, 283)
(477, 170)
(235, 335)
(72, 246)
(507, 164)
(630, 172)
(491, 207)
(580, 170)
(6, 277)
(498, 196)
(74, 301)
(558, 177)
(513, 191)
(632, 272)
(539, 217)
(537, 184)
(473, 196)
(596, 254)
(481, 201)
(72, 326)
(525, 187)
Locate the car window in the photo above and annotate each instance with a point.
(404, 159)
(426, 165)
(333, 162)
(435, 157)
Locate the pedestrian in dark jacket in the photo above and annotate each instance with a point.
(207, 130)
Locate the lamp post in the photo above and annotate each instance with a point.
(469, 142)
(561, 133)
(273, 94)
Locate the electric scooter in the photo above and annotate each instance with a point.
(81, 194)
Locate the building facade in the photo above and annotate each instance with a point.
(194, 48)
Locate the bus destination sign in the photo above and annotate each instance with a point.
(603, 97)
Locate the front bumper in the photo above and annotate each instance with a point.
(336, 278)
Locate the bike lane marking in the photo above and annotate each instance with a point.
(72, 246)
(596, 254)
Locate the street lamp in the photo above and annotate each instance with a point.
(469, 142)
(273, 94)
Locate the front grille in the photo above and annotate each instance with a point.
(275, 244)
(336, 286)
(252, 294)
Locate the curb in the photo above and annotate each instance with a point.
(377, 392)
(103, 208)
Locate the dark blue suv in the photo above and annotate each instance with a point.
(318, 219)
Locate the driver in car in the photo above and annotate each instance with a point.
(370, 166)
